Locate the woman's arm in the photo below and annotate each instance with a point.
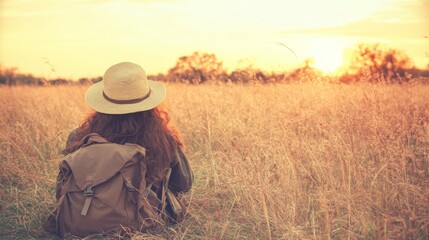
(181, 177)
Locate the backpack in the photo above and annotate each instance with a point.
(101, 188)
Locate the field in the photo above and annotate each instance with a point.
(296, 161)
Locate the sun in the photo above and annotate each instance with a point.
(327, 63)
(327, 54)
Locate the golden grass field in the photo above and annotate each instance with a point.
(297, 161)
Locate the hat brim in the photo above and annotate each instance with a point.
(95, 100)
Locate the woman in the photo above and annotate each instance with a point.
(127, 111)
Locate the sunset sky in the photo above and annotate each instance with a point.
(81, 38)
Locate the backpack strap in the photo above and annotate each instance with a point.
(165, 188)
(89, 192)
(160, 189)
(171, 206)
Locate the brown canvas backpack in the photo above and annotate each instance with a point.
(102, 188)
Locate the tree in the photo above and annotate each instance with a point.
(196, 68)
(11, 77)
(7, 76)
(379, 62)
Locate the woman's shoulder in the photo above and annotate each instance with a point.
(178, 156)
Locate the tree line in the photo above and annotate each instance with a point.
(368, 63)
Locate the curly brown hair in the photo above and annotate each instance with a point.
(150, 129)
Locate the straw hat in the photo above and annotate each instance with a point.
(125, 89)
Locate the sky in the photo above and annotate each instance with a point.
(82, 38)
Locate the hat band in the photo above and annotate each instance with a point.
(130, 101)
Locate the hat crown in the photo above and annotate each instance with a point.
(125, 81)
(125, 89)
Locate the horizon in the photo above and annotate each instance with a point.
(51, 39)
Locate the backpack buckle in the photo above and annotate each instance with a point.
(89, 191)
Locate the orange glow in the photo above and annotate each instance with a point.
(83, 37)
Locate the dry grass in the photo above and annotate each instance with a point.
(299, 161)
